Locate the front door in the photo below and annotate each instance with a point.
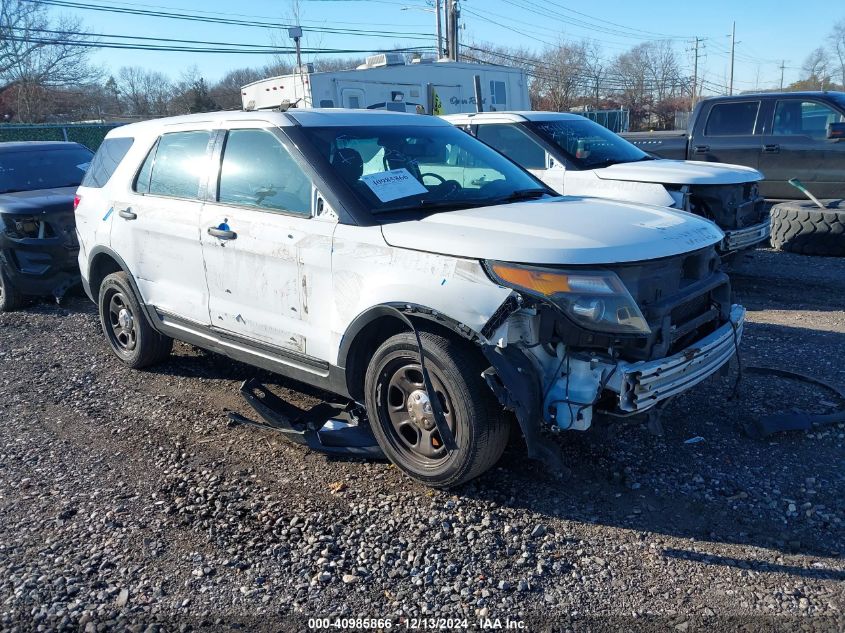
(155, 225)
(268, 261)
(798, 147)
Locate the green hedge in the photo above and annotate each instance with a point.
(89, 135)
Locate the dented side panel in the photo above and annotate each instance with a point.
(368, 273)
(273, 283)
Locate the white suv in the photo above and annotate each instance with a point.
(307, 242)
(578, 157)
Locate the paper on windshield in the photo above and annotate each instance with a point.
(393, 184)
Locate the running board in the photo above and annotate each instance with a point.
(337, 428)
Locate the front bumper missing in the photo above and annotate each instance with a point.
(739, 239)
(643, 384)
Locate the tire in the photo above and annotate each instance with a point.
(393, 383)
(801, 227)
(125, 325)
(10, 298)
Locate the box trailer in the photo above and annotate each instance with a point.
(387, 82)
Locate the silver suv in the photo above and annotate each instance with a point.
(344, 248)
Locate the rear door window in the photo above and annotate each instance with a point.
(513, 143)
(106, 160)
(732, 119)
(175, 165)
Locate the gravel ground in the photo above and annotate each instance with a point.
(127, 501)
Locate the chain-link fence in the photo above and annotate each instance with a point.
(89, 135)
(614, 120)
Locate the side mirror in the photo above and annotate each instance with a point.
(836, 131)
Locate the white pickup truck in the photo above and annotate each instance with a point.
(577, 157)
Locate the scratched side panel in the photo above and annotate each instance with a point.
(367, 272)
(263, 284)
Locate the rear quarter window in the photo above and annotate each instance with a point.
(106, 160)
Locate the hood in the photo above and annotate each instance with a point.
(38, 201)
(566, 230)
(680, 172)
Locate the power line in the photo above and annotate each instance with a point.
(192, 49)
(69, 4)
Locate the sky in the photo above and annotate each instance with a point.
(765, 35)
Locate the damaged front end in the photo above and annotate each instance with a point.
(39, 247)
(621, 339)
(738, 209)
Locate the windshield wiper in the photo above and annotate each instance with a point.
(522, 194)
(428, 205)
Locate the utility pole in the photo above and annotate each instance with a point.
(733, 49)
(695, 75)
(456, 13)
(448, 16)
(782, 66)
(439, 31)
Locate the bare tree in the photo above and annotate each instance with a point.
(227, 92)
(595, 67)
(143, 93)
(38, 54)
(561, 76)
(630, 73)
(816, 66)
(837, 42)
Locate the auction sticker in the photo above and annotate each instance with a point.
(393, 184)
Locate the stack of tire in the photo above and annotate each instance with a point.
(802, 227)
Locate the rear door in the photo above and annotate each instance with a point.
(268, 260)
(731, 133)
(798, 147)
(155, 228)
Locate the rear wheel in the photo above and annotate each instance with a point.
(129, 335)
(10, 298)
(402, 418)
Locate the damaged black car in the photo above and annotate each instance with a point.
(38, 244)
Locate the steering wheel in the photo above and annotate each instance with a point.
(437, 176)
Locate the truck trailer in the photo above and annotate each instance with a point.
(387, 82)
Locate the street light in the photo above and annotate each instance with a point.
(295, 32)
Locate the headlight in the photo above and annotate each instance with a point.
(596, 300)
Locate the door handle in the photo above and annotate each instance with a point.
(223, 234)
(701, 149)
(774, 148)
(128, 214)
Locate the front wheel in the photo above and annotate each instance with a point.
(10, 298)
(129, 335)
(402, 418)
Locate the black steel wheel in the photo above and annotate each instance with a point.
(10, 298)
(405, 401)
(126, 328)
(122, 323)
(402, 419)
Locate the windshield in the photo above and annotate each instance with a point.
(588, 144)
(43, 168)
(392, 168)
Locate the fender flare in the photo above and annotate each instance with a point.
(410, 310)
(98, 250)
